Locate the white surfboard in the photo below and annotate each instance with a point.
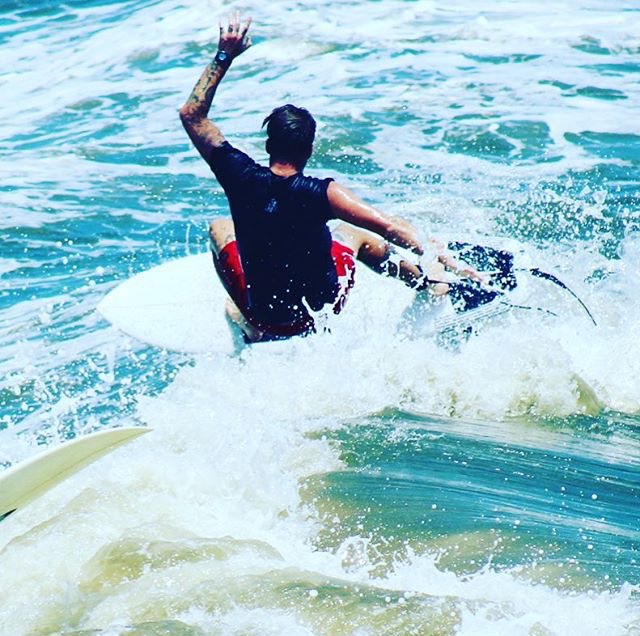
(178, 306)
(29, 479)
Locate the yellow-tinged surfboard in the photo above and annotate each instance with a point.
(32, 477)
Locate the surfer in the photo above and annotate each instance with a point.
(276, 257)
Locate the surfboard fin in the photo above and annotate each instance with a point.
(6, 514)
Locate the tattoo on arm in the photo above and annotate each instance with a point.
(194, 114)
(205, 88)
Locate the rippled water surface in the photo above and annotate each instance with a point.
(356, 483)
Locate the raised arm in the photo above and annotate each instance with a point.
(234, 40)
(350, 208)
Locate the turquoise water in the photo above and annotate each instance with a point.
(355, 484)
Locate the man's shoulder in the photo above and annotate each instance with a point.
(313, 185)
(226, 159)
(226, 150)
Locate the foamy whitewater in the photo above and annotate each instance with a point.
(353, 483)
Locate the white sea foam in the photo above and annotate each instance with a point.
(203, 520)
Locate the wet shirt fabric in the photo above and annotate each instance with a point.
(282, 234)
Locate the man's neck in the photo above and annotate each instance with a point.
(282, 169)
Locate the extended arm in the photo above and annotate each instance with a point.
(195, 113)
(350, 208)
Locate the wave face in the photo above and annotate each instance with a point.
(353, 483)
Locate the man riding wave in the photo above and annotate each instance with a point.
(276, 257)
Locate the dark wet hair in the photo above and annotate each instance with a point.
(290, 134)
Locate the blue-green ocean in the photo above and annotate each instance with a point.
(364, 484)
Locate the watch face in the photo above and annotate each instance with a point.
(222, 57)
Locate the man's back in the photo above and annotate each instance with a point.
(283, 239)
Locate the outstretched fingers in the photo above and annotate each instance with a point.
(234, 22)
(245, 28)
(234, 36)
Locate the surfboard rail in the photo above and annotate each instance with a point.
(27, 480)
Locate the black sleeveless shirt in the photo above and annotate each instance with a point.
(283, 238)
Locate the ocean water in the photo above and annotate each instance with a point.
(359, 483)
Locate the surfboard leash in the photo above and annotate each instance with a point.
(538, 273)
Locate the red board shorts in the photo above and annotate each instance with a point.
(229, 268)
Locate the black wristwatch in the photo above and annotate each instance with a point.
(223, 59)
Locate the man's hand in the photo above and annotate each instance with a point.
(403, 233)
(460, 270)
(234, 39)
